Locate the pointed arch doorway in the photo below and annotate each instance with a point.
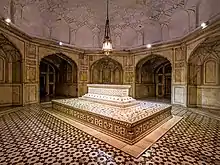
(154, 78)
(58, 77)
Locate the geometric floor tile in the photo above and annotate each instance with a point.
(29, 135)
(134, 150)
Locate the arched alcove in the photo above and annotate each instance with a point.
(106, 71)
(10, 73)
(153, 77)
(84, 37)
(61, 31)
(152, 32)
(204, 74)
(179, 24)
(58, 77)
(128, 37)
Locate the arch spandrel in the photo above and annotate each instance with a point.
(198, 47)
(144, 58)
(109, 70)
(44, 52)
(192, 47)
(17, 44)
(115, 58)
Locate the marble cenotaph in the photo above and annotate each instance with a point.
(110, 109)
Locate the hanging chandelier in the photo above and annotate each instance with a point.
(107, 43)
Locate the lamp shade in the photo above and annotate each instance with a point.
(107, 46)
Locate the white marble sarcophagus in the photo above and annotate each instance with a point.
(110, 109)
(116, 95)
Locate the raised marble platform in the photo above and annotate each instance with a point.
(128, 120)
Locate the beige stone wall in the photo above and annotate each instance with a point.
(204, 74)
(193, 84)
(179, 76)
(10, 73)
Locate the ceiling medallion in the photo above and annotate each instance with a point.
(107, 43)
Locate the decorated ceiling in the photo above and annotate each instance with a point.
(133, 23)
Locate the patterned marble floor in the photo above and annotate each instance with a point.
(31, 136)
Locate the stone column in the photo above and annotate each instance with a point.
(129, 73)
(179, 76)
(30, 76)
(83, 74)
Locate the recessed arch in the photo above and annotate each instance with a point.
(203, 74)
(10, 73)
(128, 37)
(84, 37)
(106, 71)
(203, 47)
(58, 77)
(153, 77)
(179, 24)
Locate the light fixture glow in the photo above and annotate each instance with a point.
(149, 46)
(60, 43)
(203, 25)
(7, 20)
(107, 43)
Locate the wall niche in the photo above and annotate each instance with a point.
(106, 71)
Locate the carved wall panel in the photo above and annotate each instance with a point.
(16, 94)
(195, 74)
(31, 93)
(10, 73)
(179, 64)
(83, 76)
(10, 94)
(179, 75)
(179, 93)
(191, 94)
(32, 51)
(31, 63)
(129, 77)
(5, 94)
(2, 69)
(204, 72)
(210, 69)
(31, 73)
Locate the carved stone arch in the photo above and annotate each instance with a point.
(10, 73)
(64, 55)
(193, 48)
(148, 57)
(203, 74)
(162, 65)
(100, 58)
(211, 56)
(106, 71)
(9, 48)
(60, 81)
(205, 45)
(147, 77)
